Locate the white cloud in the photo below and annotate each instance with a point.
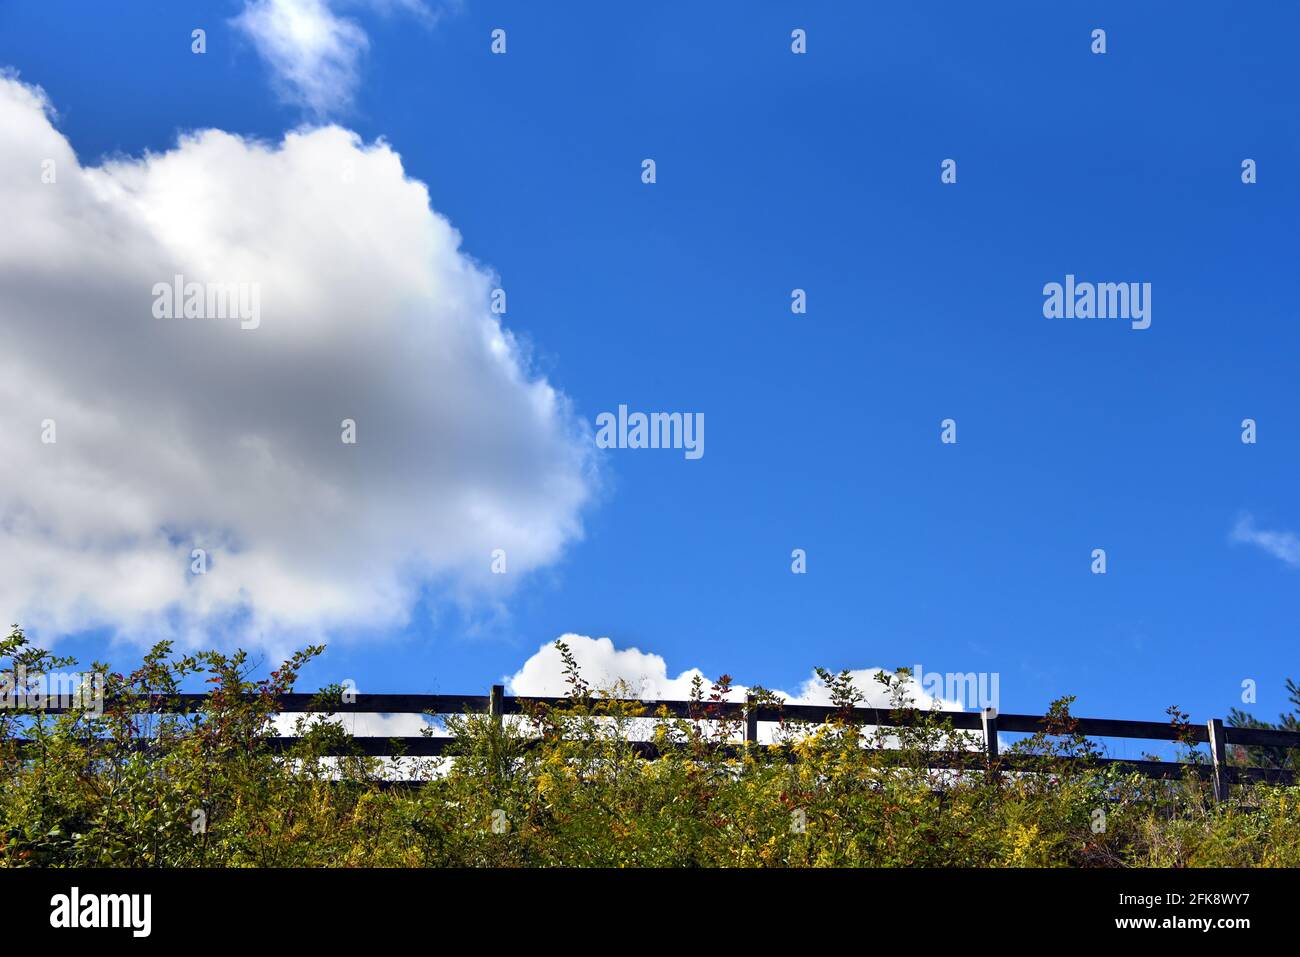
(1284, 546)
(360, 724)
(646, 675)
(601, 665)
(177, 434)
(314, 53)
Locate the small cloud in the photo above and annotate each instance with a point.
(314, 52)
(1282, 545)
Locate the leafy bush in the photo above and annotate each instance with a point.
(141, 786)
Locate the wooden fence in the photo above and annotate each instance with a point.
(749, 713)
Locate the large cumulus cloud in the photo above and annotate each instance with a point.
(182, 434)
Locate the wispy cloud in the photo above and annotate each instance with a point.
(1282, 545)
(314, 53)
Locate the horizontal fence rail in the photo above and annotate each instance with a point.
(750, 713)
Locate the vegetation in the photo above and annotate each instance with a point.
(137, 787)
(1271, 757)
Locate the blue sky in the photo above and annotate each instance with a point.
(821, 171)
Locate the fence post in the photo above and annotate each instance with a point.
(1218, 753)
(990, 720)
(497, 702)
(751, 721)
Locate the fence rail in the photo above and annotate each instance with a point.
(750, 712)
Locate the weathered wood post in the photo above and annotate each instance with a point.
(497, 703)
(990, 721)
(751, 721)
(1219, 754)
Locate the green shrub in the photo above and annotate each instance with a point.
(136, 786)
